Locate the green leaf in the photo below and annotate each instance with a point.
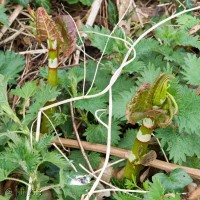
(175, 182)
(128, 140)
(120, 102)
(22, 2)
(125, 196)
(21, 155)
(77, 158)
(123, 83)
(178, 145)
(5, 168)
(44, 141)
(56, 159)
(86, 2)
(99, 41)
(98, 134)
(156, 190)
(4, 105)
(7, 196)
(149, 74)
(189, 4)
(188, 115)
(26, 91)
(191, 69)
(44, 3)
(44, 94)
(72, 1)
(102, 77)
(92, 104)
(191, 21)
(3, 16)
(146, 46)
(11, 64)
(135, 66)
(112, 13)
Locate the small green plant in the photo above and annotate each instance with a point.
(60, 35)
(156, 107)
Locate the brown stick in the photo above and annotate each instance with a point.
(78, 139)
(121, 153)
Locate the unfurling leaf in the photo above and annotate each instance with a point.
(45, 26)
(153, 101)
(67, 29)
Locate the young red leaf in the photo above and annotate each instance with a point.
(67, 29)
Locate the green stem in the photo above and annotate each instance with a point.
(139, 148)
(52, 80)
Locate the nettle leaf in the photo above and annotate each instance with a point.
(112, 13)
(125, 196)
(120, 102)
(156, 190)
(145, 46)
(185, 39)
(102, 77)
(22, 2)
(191, 21)
(3, 17)
(92, 104)
(44, 94)
(188, 115)
(97, 133)
(86, 2)
(149, 74)
(44, 142)
(135, 66)
(178, 145)
(74, 76)
(191, 69)
(56, 159)
(128, 140)
(123, 83)
(11, 64)
(77, 158)
(5, 168)
(172, 55)
(44, 3)
(26, 91)
(4, 105)
(175, 182)
(21, 154)
(167, 34)
(99, 41)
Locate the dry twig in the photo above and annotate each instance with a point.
(78, 139)
(122, 153)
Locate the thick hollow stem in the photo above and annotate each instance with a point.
(52, 80)
(139, 149)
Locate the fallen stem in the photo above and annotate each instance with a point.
(122, 153)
